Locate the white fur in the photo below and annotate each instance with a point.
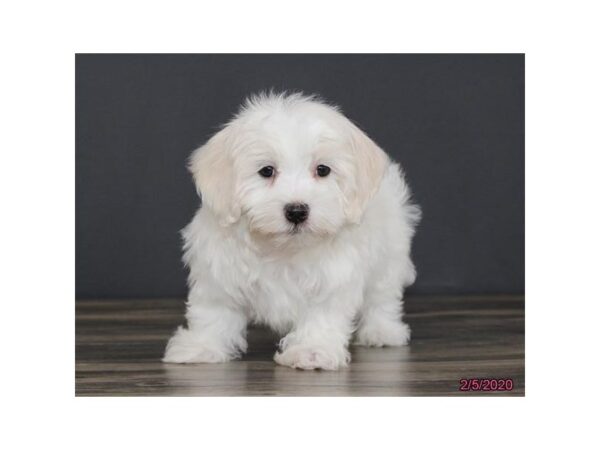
(342, 271)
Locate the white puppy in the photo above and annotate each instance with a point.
(306, 227)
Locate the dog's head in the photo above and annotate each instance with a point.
(288, 164)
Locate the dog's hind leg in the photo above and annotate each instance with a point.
(380, 321)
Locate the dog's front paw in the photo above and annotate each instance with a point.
(186, 347)
(312, 357)
(380, 334)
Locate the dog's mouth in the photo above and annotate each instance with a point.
(288, 232)
(296, 229)
(309, 228)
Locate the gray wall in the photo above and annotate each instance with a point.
(455, 122)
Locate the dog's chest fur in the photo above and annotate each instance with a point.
(276, 289)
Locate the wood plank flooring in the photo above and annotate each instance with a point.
(119, 344)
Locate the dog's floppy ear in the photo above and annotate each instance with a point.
(212, 168)
(370, 163)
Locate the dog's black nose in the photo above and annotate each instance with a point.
(296, 212)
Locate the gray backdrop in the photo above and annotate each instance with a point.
(455, 122)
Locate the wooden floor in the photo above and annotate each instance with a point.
(119, 344)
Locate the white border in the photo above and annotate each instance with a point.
(39, 40)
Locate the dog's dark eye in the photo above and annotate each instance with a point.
(323, 171)
(267, 171)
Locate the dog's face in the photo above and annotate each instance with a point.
(290, 166)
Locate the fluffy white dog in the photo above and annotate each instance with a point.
(306, 226)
